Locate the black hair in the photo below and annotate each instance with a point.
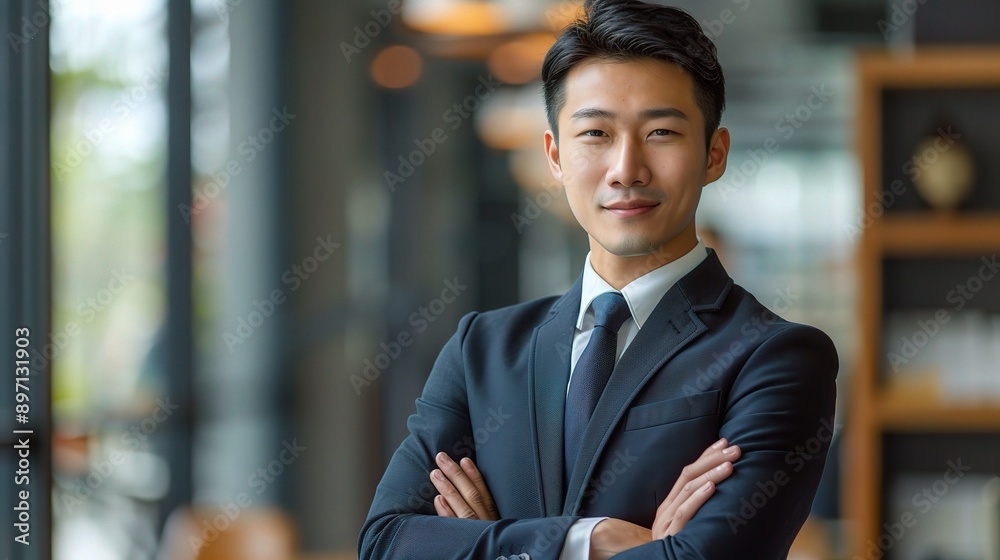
(625, 30)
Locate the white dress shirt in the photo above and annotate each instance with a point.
(642, 296)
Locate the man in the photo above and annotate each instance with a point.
(583, 425)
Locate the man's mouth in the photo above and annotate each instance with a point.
(631, 208)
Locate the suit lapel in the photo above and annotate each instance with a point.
(549, 360)
(673, 325)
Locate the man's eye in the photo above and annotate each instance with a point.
(595, 133)
(663, 132)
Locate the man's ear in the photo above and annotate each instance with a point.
(552, 155)
(718, 155)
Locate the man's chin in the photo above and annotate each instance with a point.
(631, 247)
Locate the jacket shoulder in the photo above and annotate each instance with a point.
(763, 323)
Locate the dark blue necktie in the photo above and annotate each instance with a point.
(592, 371)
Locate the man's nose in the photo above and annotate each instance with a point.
(629, 168)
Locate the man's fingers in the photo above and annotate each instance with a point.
(719, 453)
(472, 495)
(453, 498)
(688, 508)
(716, 475)
(477, 480)
(442, 508)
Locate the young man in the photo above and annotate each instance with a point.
(584, 424)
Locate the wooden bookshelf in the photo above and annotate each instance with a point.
(904, 410)
(945, 234)
(879, 407)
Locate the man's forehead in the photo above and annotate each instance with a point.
(644, 88)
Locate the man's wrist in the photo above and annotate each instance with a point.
(612, 536)
(576, 546)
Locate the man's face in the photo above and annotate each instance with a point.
(631, 155)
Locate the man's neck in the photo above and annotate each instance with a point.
(620, 271)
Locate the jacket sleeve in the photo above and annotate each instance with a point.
(402, 522)
(780, 412)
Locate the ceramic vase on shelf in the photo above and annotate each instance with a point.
(944, 170)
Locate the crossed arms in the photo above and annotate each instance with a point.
(464, 494)
(778, 409)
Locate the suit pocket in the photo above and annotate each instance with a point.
(673, 410)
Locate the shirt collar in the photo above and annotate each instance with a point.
(643, 293)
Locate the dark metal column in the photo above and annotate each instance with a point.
(179, 355)
(25, 257)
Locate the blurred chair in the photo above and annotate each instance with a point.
(812, 542)
(209, 534)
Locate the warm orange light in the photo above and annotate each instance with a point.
(507, 128)
(563, 13)
(457, 17)
(520, 61)
(397, 67)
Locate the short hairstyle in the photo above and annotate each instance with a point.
(625, 30)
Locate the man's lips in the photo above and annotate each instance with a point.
(628, 209)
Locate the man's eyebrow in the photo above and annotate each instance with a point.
(664, 113)
(592, 113)
(656, 113)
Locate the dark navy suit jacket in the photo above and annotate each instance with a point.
(710, 362)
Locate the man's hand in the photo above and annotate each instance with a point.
(694, 487)
(463, 492)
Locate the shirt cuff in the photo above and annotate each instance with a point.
(577, 543)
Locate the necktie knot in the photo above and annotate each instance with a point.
(610, 311)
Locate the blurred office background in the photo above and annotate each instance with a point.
(250, 201)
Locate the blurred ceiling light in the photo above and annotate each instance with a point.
(506, 128)
(456, 17)
(511, 119)
(520, 61)
(479, 18)
(397, 67)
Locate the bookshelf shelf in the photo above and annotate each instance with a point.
(926, 234)
(905, 411)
